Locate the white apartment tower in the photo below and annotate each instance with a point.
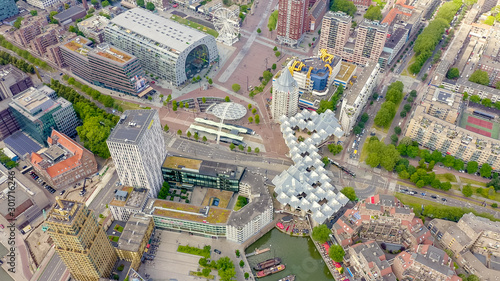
(138, 149)
(285, 95)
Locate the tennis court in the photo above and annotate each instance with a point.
(479, 131)
(479, 125)
(480, 122)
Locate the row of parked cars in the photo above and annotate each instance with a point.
(410, 192)
(42, 183)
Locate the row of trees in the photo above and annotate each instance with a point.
(332, 103)
(24, 54)
(224, 266)
(477, 99)
(388, 109)
(97, 123)
(106, 100)
(432, 34)
(358, 129)
(6, 58)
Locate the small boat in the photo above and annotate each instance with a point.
(288, 278)
(271, 270)
(268, 263)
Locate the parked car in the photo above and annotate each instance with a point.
(434, 196)
(62, 192)
(444, 199)
(217, 251)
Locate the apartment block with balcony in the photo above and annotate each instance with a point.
(26, 34)
(357, 96)
(44, 40)
(105, 66)
(436, 134)
(370, 41)
(93, 27)
(335, 30)
(292, 22)
(54, 54)
(165, 48)
(474, 241)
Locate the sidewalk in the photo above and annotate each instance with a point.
(44, 263)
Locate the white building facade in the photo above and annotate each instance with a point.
(285, 95)
(138, 149)
(357, 97)
(240, 234)
(42, 4)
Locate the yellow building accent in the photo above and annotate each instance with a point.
(310, 69)
(329, 67)
(326, 57)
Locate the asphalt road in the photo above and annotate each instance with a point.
(54, 269)
(105, 195)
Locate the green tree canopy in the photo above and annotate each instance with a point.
(150, 6)
(336, 252)
(349, 192)
(345, 6)
(373, 13)
(467, 190)
(34, 12)
(472, 167)
(321, 233)
(453, 73)
(105, 3)
(480, 77)
(236, 87)
(485, 170)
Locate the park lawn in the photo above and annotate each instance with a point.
(413, 200)
(114, 238)
(471, 181)
(364, 151)
(446, 177)
(196, 273)
(195, 25)
(127, 105)
(456, 187)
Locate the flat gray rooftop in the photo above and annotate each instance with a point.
(158, 29)
(132, 125)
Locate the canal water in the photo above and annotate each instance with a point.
(297, 253)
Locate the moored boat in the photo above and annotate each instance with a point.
(271, 270)
(288, 278)
(268, 263)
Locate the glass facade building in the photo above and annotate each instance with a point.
(188, 173)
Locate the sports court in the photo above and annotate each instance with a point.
(477, 124)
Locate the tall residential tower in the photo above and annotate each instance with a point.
(80, 241)
(138, 149)
(335, 32)
(370, 41)
(292, 22)
(285, 95)
(8, 8)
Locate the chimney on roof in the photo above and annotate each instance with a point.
(53, 139)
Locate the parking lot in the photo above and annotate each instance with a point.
(168, 263)
(40, 181)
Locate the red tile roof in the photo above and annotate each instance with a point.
(67, 164)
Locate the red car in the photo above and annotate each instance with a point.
(175, 5)
(152, 82)
(1, 226)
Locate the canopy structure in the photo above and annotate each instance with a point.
(307, 178)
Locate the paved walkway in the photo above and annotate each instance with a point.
(235, 63)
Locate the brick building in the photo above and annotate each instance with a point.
(369, 262)
(292, 21)
(44, 40)
(426, 263)
(64, 162)
(26, 34)
(54, 54)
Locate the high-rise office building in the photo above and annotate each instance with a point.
(285, 95)
(138, 149)
(335, 32)
(370, 41)
(38, 111)
(80, 241)
(165, 48)
(8, 8)
(292, 22)
(105, 66)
